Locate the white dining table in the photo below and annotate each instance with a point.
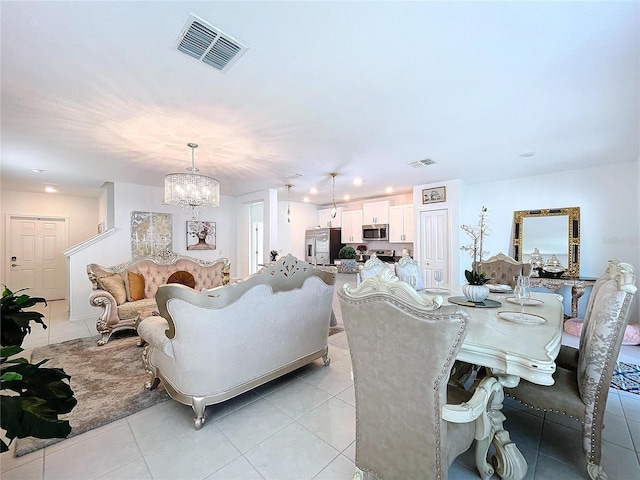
(511, 351)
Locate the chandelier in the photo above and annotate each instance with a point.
(334, 208)
(191, 190)
(288, 185)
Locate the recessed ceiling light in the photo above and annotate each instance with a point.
(357, 181)
(50, 189)
(313, 190)
(305, 199)
(293, 175)
(347, 197)
(37, 170)
(527, 154)
(389, 190)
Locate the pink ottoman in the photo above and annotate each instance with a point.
(573, 326)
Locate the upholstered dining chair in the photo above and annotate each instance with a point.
(568, 356)
(409, 423)
(583, 377)
(371, 268)
(502, 269)
(406, 268)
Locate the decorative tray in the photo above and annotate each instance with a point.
(500, 288)
(464, 301)
(530, 302)
(524, 318)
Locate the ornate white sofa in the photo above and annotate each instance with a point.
(207, 347)
(126, 292)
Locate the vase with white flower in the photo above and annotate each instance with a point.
(475, 289)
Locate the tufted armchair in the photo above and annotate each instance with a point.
(502, 269)
(126, 292)
(583, 376)
(409, 423)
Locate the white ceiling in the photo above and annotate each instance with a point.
(94, 92)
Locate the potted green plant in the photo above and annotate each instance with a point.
(475, 289)
(347, 256)
(39, 394)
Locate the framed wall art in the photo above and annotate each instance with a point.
(434, 195)
(150, 234)
(201, 235)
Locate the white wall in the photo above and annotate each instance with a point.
(116, 248)
(607, 197)
(81, 212)
(609, 214)
(452, 204)
(291, 235)
(270, 238)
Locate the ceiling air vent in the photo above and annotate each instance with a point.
(422, 163)
(208, 44)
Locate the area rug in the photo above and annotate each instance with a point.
(107, 381)
(626, 377)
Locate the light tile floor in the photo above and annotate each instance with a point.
(301, 426)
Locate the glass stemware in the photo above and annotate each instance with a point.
(522, 292)
(438, 276)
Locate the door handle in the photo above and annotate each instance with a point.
(15, 265)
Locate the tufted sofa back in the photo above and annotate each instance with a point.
(156, 271)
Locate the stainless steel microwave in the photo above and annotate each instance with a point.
(375, 232)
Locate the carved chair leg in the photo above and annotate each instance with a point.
(152, 384)
(198, 405)
(326, 360)
(102, 329)
(595, 471)
(360, 475)
(153, 381)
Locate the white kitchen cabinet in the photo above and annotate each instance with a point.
(401, 227)
(325, 220)
(375, 213)
(352, 226)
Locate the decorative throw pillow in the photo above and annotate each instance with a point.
(114, 284)
(183, 278)
(136, 286)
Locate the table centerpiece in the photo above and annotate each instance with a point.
(475, 289)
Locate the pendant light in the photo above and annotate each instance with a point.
(191, 190)
(334, 207)
(288, 185)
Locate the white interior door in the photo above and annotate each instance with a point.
(35, 256)
(434, 241)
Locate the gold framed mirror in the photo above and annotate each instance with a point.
(554, 231)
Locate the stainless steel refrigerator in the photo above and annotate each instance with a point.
(322, 245)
